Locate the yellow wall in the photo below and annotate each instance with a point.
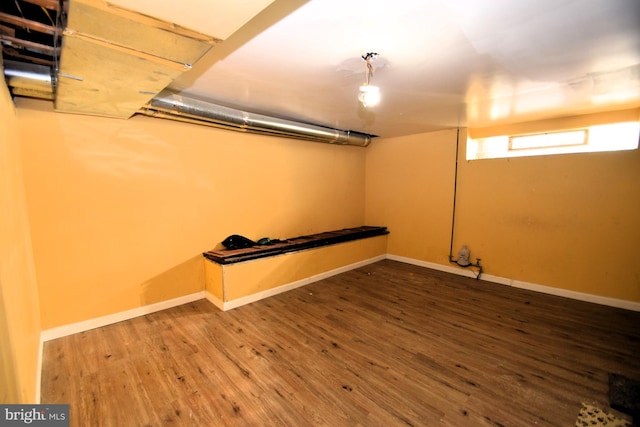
(566, 221)
(409, 186)
(121, 210)
(19, 313)
(117, 205)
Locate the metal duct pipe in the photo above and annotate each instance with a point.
(29, 79)
(32, 72)
(173, 106)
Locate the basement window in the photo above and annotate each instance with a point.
(610, 137)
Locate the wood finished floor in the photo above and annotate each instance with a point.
(389, 344)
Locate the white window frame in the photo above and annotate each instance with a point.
(599, 138)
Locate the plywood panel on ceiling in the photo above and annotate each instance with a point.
(98, 80)
(114, 60)
(130, 30)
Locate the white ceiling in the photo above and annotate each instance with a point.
(441, 63)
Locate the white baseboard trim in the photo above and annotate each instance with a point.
(597, 299)
(85, 325)
(214, 300)
(74, 328)
(581, 296)
(432, 265)
(238, 302)
(62, 331)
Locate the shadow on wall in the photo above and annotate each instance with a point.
(183, 279)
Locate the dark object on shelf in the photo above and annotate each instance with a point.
(277, 247)
(264, 241)
(235, 241)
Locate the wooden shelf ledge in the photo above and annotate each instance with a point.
(230, 256)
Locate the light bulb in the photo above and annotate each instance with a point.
(369, 96)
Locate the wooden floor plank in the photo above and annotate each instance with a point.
(387, 344)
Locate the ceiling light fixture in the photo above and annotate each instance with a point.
(369, 95)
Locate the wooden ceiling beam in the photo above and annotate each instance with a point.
(27, 23)
(9, 52)
(10, 31)
(48, 4)
(37, 47)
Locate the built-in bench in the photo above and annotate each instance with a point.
(236, 277)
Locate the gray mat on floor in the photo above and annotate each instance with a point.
(624, 395)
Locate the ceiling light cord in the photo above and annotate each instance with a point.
(369, 73)
(369, 95)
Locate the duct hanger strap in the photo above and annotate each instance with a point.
(180, 108)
